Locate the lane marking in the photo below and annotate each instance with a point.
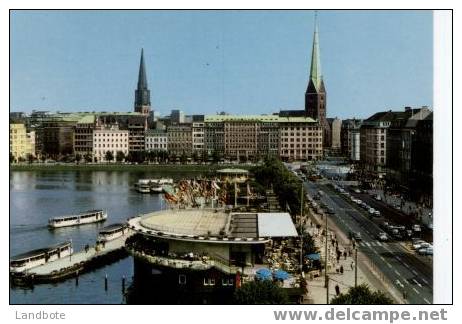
(426, 300)
(389, 265)
(426, 282)
(399, 274)
(417, 292)
(414, 272)
(418, 283)
(405, 264)
(368, 244)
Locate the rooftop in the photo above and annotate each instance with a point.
(216, 226)
(257, 118)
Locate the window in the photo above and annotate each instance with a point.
(209, 282)
(182, 279)
(227, 282)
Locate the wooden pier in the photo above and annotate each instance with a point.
(75, 264)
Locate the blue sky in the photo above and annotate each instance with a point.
(207, 61)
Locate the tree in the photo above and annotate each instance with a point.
(78, 158)
(109, 156)
(11, 157)
(30, 158)
(120, 156)
(362, 295)
(87, 157)
(183, 158)
(260, 292)
(216, 156)
(205, 156)
(195, 156)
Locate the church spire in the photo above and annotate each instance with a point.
(315, 71)
(142, 81)
(142, 93)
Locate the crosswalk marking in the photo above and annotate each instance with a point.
(370, 244)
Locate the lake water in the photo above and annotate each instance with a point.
(38, 195)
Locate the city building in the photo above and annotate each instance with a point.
(19, 147)
(350, 138)
(177, 117)
(200, 255)
(198, 133)
(315, 95)
(256, 136)
(83, 136)
(300, 138)
(55, 133)
(109, 138)
(179, 139)
(335, 125)
(421, 173)
(136, 123)
(156, 140)
(142, 93)
(400, 137)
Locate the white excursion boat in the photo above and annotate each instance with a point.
(157, 186)
(143, 185)
(31, 259)
(152, 185)
(91, 216)
(111, 232)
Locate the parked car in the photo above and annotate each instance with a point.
(382, 236)
(416, 228)
(377, 197)
(426, 250)
(376, 213)
(357, 190)
(420, 245)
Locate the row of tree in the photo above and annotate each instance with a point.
(267, 292)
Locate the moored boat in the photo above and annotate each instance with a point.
(111, 232)
(91, 216)
(34, 258)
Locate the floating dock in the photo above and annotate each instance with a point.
(75, 264)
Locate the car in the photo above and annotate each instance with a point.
(377, 197)
(420, 245)
(376, 213)
(382, 236)
(357, 190)
(416, 228)
(357, 236)
(371, 211)
(330, 210)
(426, 251)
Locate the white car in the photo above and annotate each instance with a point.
(420, 245)
(382, 236)
(426, 251)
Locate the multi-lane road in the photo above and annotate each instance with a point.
(410, 274)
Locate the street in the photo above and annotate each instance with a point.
(410, 274)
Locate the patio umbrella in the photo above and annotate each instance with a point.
(263, 274)
(280, 275)
(313, 256)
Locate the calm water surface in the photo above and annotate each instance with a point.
(36, 196)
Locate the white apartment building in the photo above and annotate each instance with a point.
(156, 140)
(109, 138)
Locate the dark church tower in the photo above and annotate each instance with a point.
(142, 93)
(315, 95)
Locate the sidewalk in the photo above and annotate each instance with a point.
(316, 290)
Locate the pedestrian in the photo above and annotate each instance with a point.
(341, 269)
(337, 290)
(352, 263)
(344, 255)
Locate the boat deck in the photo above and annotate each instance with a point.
(72, 261)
